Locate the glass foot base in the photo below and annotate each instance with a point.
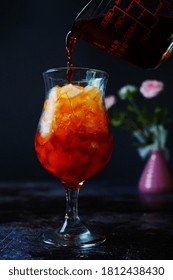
(85, 240)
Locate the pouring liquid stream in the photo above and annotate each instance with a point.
(70, 44)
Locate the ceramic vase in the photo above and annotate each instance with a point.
(156, 176)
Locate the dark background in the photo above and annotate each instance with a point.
(32, 40)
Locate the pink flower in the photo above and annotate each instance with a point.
(151, 88)
(110, 101)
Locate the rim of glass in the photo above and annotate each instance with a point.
(51, 70)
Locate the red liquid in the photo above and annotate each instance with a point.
(128, 40)
(70, 44)
(78, 143)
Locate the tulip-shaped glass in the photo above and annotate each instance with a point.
(73, 142)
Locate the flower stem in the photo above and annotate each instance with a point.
(132, 101)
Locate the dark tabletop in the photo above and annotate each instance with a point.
(137, 226)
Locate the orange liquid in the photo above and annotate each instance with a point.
(73, 141)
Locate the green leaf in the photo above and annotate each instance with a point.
(117, 117)
(131, 109)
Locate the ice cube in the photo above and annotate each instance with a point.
(70, 90)
(53, 95)
(46, 121)
(88, 88)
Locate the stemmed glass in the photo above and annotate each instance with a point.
(73, 142)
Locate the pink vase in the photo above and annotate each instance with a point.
(156, 176)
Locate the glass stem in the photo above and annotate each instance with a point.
(72, 219)
(72, 225)
(72, 204)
